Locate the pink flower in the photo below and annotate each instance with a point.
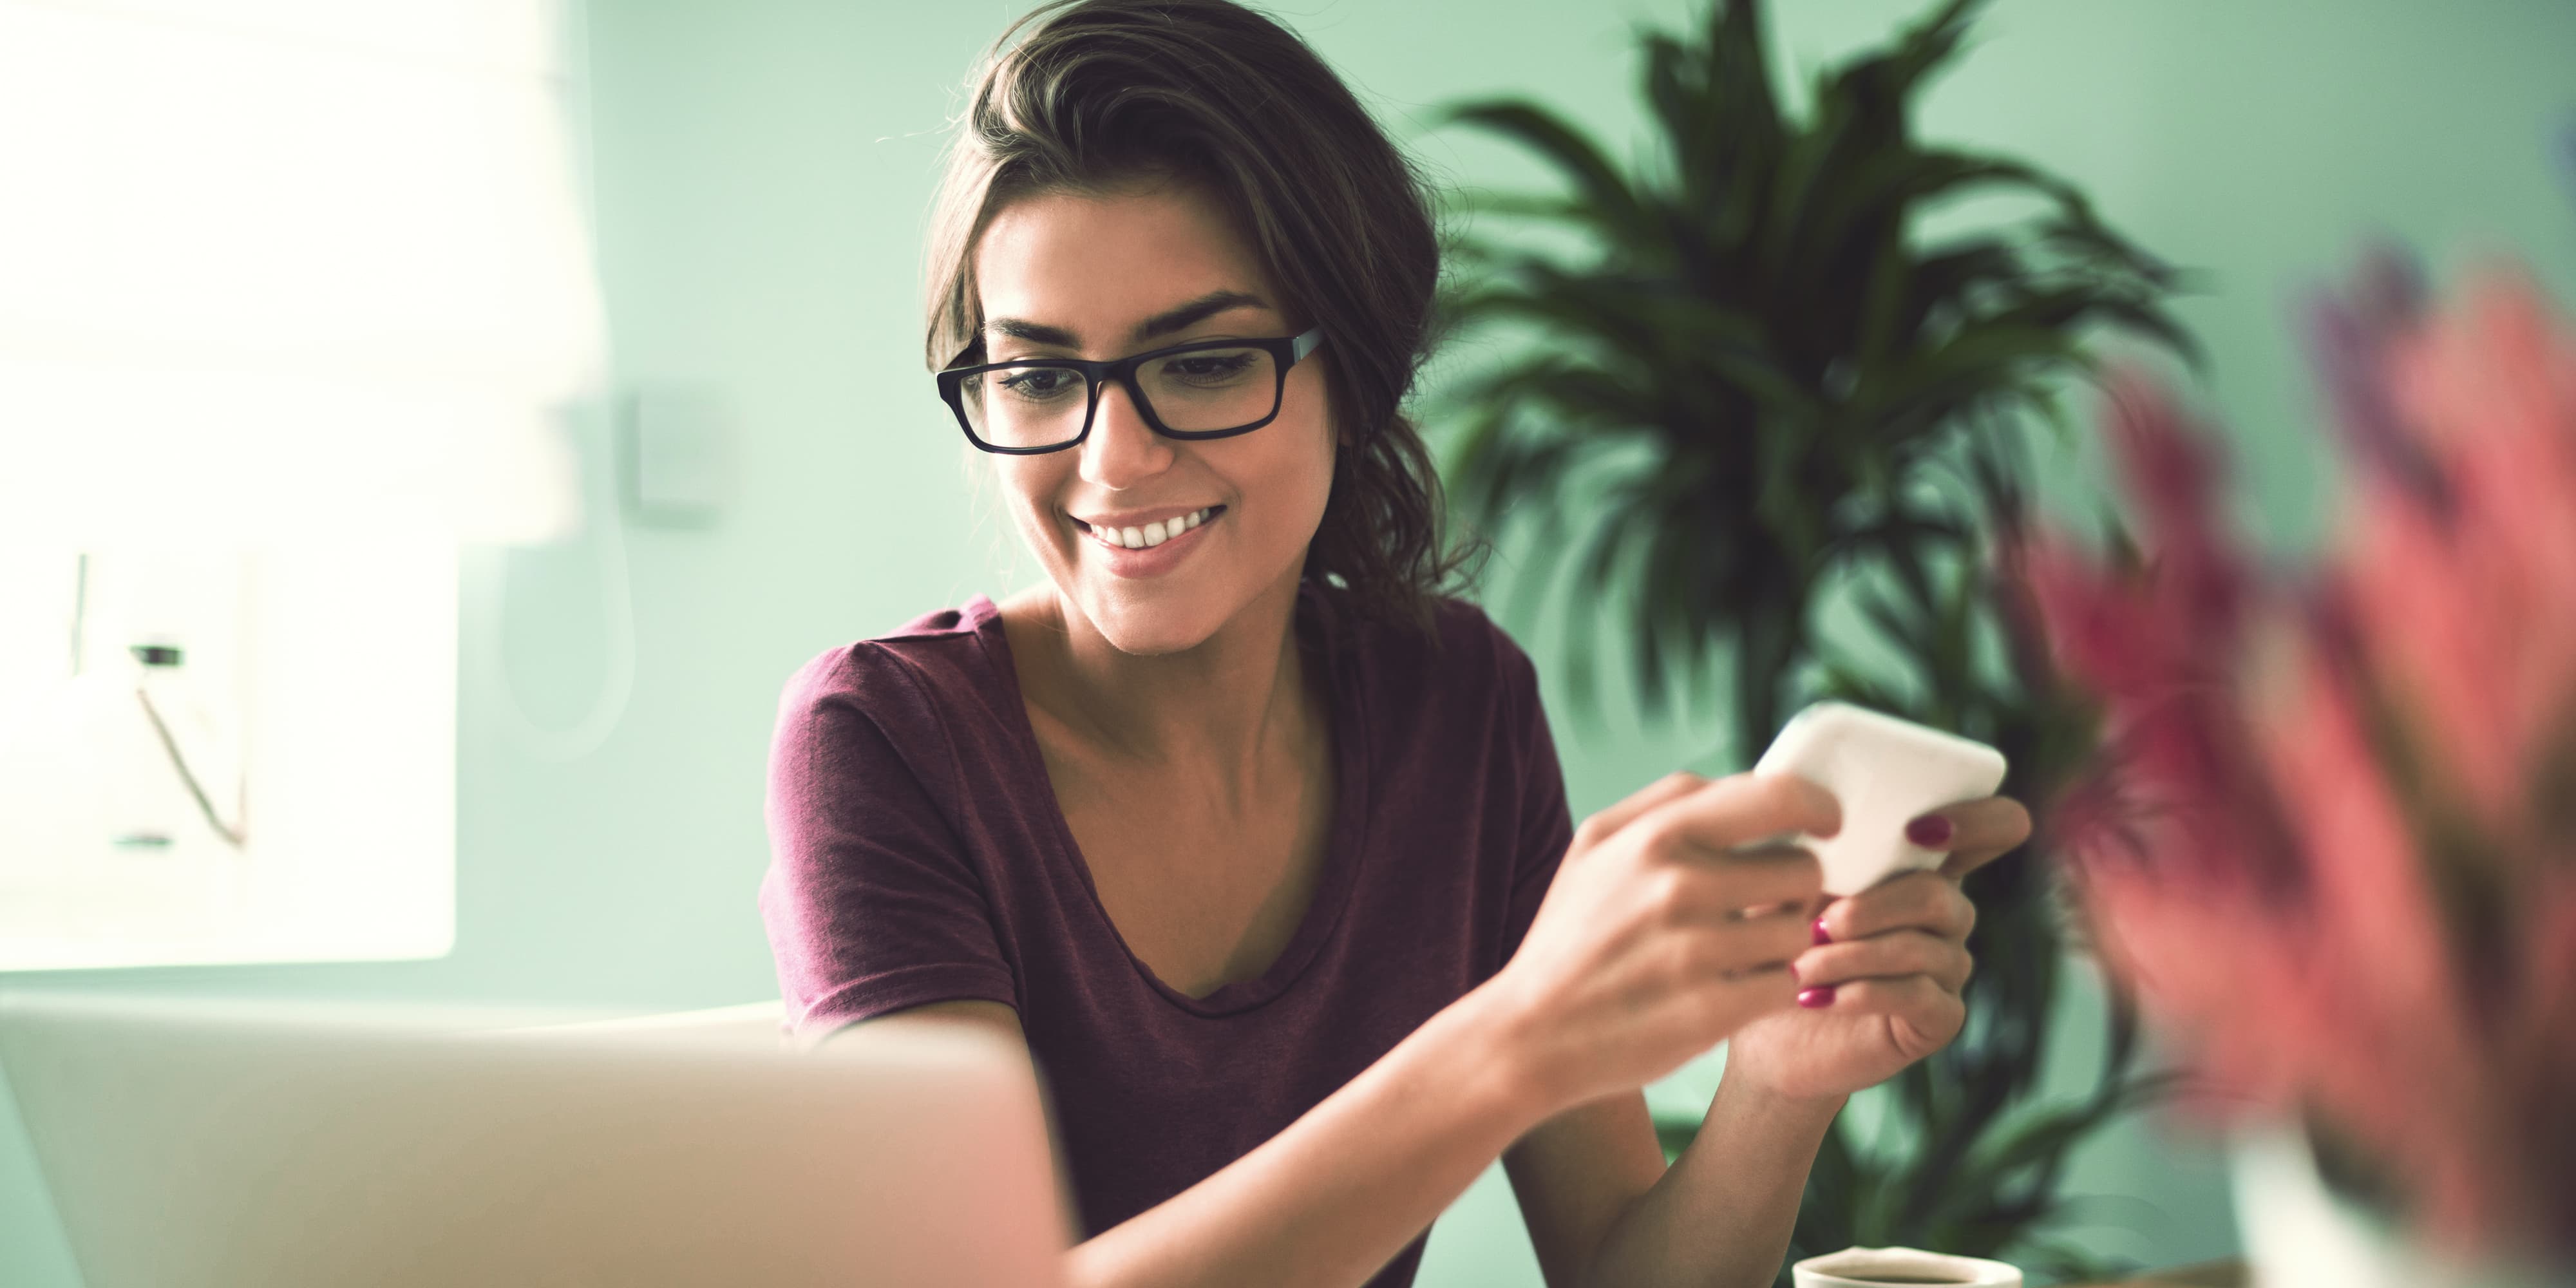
(2471, 614)
(2331, 838)
(2382, 958)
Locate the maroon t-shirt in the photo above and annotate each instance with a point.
(918, 855)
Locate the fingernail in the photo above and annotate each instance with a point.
(1929, 830)
(1816, 998)
(1821, 935)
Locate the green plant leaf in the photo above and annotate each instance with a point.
(1743, 383)
(1605, 192)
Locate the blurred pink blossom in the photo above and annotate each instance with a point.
(2331, 842)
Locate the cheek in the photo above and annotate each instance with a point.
(1299, 468)
(1026, 486)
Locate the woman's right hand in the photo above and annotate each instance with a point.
(1655, 942)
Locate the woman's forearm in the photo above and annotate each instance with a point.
(1723, 1212)
(1335, 1195)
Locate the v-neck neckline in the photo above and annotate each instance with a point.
(1332, 894)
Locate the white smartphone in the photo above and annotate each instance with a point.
(1886, 772)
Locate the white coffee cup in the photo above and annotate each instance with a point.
(1872, 1267)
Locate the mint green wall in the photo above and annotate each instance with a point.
(763, 167)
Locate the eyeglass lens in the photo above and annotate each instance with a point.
(1038, 405)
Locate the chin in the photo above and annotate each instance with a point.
(1147, 621)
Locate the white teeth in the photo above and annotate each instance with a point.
(1152, 534)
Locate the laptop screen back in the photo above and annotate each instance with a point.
(191, 1145)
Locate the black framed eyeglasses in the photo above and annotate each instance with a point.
(1199, 390)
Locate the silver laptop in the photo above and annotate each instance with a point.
(194, 1144)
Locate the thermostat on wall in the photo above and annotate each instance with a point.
(679, 459)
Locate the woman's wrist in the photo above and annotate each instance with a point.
(1498, 1056)
(1724, 1212)
(1759, 1100)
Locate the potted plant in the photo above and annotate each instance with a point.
(2333, 846)
(1784, 401)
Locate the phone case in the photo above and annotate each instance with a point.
(1886, 772)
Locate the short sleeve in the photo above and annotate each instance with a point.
(870, 901)
(1545, 824)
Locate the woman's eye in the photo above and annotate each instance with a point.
(1207, 368)
(1041, 383)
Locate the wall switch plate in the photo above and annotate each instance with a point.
(678, 466)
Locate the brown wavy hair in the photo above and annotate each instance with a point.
(1107, 96)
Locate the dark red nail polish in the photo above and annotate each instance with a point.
(1820, 935)
(1816, 998)
(1929, 830)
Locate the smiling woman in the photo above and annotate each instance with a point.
(1173, 435)
(1248, 827)
(1271, 154)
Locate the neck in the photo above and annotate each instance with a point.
(1230, 707)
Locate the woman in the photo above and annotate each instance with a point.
(1257, 840)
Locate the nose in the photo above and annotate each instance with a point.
(1122, 449)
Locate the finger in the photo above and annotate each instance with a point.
(1606, 822)
(1890, 956)
(1762, 940)
(1694, 889)
(1979, 832)
(1730, 811)
(1716, 1007)
(1918, 900)
(1750, 993)
(1783, 883)
(1933, 1014)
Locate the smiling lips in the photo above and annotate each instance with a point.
(1151, 534)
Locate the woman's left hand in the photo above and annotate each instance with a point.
(1880, 988)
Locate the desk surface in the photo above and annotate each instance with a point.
(2209, 1274)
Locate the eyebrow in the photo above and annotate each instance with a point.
(1161, 324)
